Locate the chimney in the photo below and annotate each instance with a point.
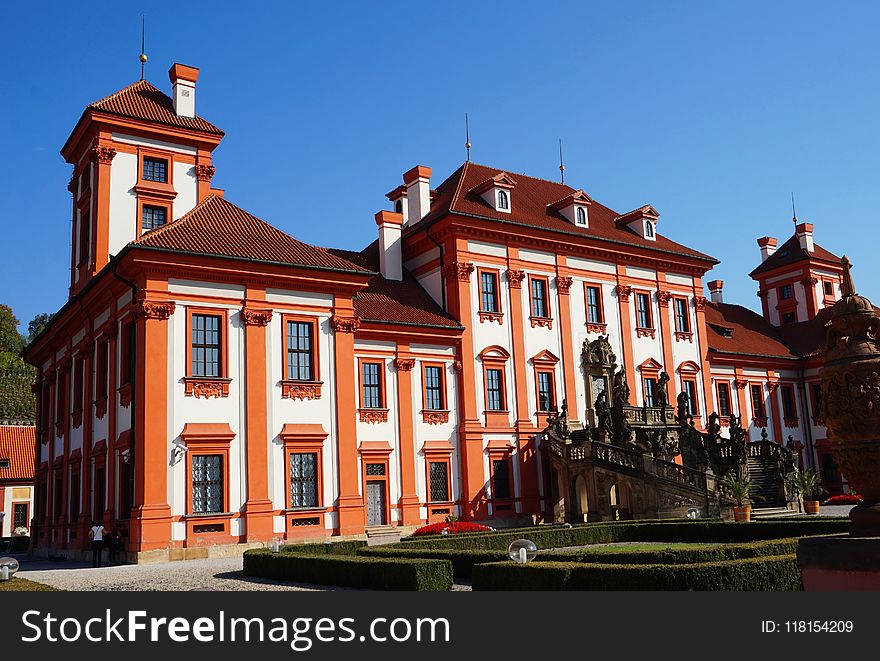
(716, 290)
(418, 193)
(390, 247)
(804, 232)
(767, 244)
(398, 200)
(183, 89)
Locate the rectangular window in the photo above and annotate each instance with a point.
(126, 369)
(817, 399)
(500, 479)
(303, 479)
(643, 310)
(689, 387)
(682, 316)
(758, 410)
(74, 497)
(546, 396)
(300, 351)
(786, 292)
(155, 169)
(84, 236)
(828, 287)
(723, 399)
(540, 306)
(99, 494)
(434, 388)
(489, 292)
(101, 370)
(205, 346)
(207, 483)
(20, 515)
(61, 396)
(438, 473)
(371, 386)
(494, 390)
(78, 370)
(4, 464)
(126, 489)
(59, 494)
(789, 410)
(594, 305)
(650, 386)
(789, 318)
(152, 217)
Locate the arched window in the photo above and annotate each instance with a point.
(581, 216)
(398, 206)
(503, 201)
(649, 229)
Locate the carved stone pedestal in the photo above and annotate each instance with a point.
(841, 562)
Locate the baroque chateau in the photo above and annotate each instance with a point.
(212, 380)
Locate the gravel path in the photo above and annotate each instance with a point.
(201, 575)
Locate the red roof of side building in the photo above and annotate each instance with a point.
(734, 329)
(395, 301)
(791, 252)
(531, 202)
(141, 100)
(216, 227)
(17, 446)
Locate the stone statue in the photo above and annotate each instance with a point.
(682, 408)
(661, 395)
(603, 416)
(598, 353)
(620, 394)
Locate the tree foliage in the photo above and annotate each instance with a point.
(10, 340)
(37, 324)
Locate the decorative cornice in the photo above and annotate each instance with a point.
(254, 317)
(515, 278)
(125, 396)
(681, 336)
(700, 302)
(663, 298)
(491, 316)
(461, 270)
(597, 328)
(301, 389)
(791, 422)
(207, 387)
(543, 322)
(103, 155)
(564, 283)
(810, 282)
(345, 324)
(646, 332)
(759, 421)
(435, 417)
(154, 309)
(373, 416)
(773, 386)
(623, 292)
(740, 384)
(101, 408)
(77, 419)
(404, 364)
(205, 172)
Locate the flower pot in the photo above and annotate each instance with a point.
(811, 506)
(742, 513)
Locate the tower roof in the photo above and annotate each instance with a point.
(791, 252)
(17, 445)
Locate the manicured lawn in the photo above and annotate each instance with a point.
(24, 585)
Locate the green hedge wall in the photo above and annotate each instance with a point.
(778, 573)
(325, 548)
(650, 531)
(350, 571)
(462, 560)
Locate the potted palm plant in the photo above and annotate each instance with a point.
(739, 487)
(806, 484)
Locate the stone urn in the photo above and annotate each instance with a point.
(850, 402)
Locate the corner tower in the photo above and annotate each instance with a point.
(140, 160)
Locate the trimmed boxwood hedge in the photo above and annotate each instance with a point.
(349, 547)
(638, 531)
(463, 560)
(778, 573)
(350, 571)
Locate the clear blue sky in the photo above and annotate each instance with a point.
(712, 112)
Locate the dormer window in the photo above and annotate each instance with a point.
(581, 216)
(642, 221)
(503, 200)
(574, 208)
(649, 230)
(496, 191)
(155, 169)
(398, 206)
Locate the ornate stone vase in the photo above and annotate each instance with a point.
(850, 402)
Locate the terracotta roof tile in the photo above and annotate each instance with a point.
(750, 333)
(395, 301)
(218, 227)
(791, 252)
(141, 100)
(17, 446)
(531, 201)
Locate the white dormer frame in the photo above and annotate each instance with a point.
(497, 191)
(575, 208)
(642, 221)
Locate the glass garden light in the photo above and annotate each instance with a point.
(522, 550)
(8, 567)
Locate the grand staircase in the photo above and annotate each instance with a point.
(764, 474)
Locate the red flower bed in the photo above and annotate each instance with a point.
(844, 499)
(450, 528)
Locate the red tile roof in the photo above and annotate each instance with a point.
(141, 100)
(791, 252)
(218, 227)
(750, 333)
(17, 445)
(531, 201)
(395, 301)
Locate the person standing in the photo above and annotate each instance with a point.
(112, 538)
(96, 534)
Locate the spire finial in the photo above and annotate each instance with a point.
(561, 163)
(794, 217)
(847, 288)
(143, 55)
(467, 137)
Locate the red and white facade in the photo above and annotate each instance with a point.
(214, 381)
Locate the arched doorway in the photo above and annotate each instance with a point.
(583, 504)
